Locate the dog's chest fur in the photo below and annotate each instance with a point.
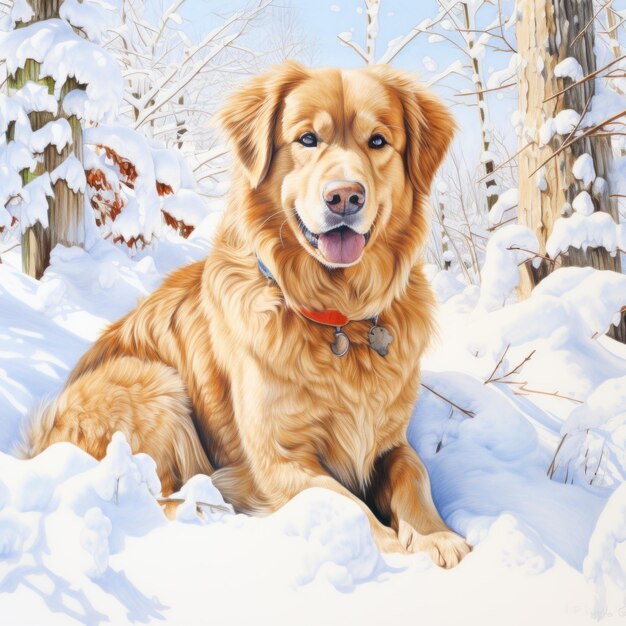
(342, 411)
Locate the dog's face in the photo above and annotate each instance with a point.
(343, 154)
(341, 141)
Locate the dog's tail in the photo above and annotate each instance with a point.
(39, 422)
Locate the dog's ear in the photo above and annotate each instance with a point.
(429, 126)
(249, 117)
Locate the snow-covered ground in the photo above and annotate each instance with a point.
(86, 542)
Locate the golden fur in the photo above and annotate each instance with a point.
(217, 372)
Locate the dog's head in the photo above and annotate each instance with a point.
(337, 162)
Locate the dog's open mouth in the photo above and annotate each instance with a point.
(339, 245)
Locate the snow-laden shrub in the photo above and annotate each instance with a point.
(134, 185)
(593, 444)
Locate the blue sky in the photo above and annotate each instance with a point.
(322, 20)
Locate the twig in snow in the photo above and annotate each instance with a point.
(495, 369)
(552, 467)
(456, 406)
(515, 370)
(524, 390)
(595, 474)
(213, 507)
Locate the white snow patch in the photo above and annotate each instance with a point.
(584, 170)
(185, 206)
(57, 133)
(566, 121)
(507, 248)
(569, 68)
(71, 170)
(583, 204)
(506, 201)
(582, 231)
(429, 64)
(604, 565)
(33, 206)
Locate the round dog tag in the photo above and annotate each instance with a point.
(341, 343)
(379, 339)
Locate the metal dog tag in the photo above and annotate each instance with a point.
(341, 342)
(379, 339)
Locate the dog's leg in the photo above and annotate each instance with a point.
(146, 401)
(401, 491)
(280, 448)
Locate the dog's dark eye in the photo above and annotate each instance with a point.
(376, 141)
(309, 140)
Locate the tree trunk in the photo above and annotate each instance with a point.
(372, 7)
(545, 36)
(65, 208)
(488, 165)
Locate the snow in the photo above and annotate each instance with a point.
(563, 124)
(71, 170)
(57, 133)
(603, 565)
(506, 201)
(186, 206)
(34, 97)
(21, 11)
(583, 204)
(569, 68)
(594, 436)
(33, 206)
(582, 230)
(91, 16)
(594, 297)
(507, 248)
(96, 527)
(64, 54)
(429, 64)
(566, 121)
(584, 170)
(142, 213)
(500, 77)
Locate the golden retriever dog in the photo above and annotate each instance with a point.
(290, 357)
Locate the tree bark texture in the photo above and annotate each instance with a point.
(66, 207)
(545, 37)
(488, 165)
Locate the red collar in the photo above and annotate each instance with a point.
(330, 317)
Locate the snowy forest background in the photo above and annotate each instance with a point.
(111, 175)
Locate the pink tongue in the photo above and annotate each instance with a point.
(341, 246)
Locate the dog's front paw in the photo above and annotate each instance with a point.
(445, 548)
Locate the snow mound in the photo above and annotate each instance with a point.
(507, 248)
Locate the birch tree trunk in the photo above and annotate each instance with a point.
(546, 35)
(488, 164)
(65, 209)
(372, 7)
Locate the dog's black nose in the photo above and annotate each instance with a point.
(344, 196)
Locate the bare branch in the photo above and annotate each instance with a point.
(456, 406)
